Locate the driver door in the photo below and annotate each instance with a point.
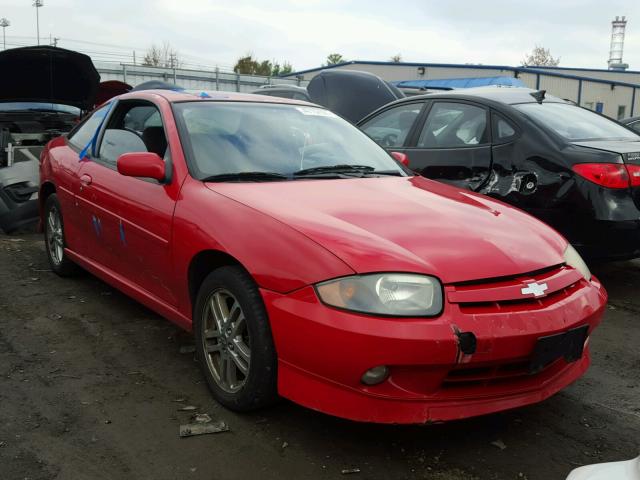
(136, 214)
(391, 128)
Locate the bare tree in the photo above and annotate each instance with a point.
(540, 57)
(397, 58)
(162, 56)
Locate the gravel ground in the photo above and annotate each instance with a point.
(92, 383)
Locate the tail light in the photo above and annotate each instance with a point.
(610, 175)
(634, 174)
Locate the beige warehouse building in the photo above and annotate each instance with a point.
(613, 93)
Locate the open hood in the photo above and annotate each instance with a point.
(351, 94)
(48, 74)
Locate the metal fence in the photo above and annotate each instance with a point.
(190, 79)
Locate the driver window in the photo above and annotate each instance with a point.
(391, 127)
(133, 127)
(451, 125)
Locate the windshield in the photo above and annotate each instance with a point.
(285, 140)
(575, 123)
(38, 106)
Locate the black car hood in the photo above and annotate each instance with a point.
(351, 94)
(621, 147)
(48, 74)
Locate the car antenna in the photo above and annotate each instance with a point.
(539, 95)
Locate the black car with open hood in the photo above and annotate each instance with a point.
(43, 93)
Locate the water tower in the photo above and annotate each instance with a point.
(618, 27)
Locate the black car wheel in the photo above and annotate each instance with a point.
(233, 340)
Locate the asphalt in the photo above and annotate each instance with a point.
(92, 383)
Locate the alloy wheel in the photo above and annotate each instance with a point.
(55, 238)
(226, 341)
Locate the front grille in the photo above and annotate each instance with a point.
(505, 294)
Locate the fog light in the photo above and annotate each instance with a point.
(375, 375)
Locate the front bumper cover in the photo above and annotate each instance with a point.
(324, 352)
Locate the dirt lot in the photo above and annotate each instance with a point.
(91, 384)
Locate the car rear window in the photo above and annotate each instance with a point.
(575, 123)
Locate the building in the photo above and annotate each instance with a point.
(611, 92)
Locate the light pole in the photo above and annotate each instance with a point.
(4, 23)
(38, 4)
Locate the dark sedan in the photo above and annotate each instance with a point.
(574, 169)
(633, 123)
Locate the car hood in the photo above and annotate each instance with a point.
(407, 224)
(48, 74)
(621, 147)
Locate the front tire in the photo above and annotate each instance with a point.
(55, 240)
(233, 340)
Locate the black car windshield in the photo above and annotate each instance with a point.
(574, 123)
(285, 141)
(38, 107)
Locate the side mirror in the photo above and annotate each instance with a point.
(141, 164)
(401, 157)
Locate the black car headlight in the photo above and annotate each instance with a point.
(393, 294)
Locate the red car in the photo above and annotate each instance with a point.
(312, 265)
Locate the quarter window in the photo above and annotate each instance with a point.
(451, 125)
(502, 129)
(391, 127)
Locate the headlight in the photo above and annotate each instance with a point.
(573, 259)
(396, 294)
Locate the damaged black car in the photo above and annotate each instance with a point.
(44, 91)
(576, 170)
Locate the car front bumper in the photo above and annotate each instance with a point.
(323, 353)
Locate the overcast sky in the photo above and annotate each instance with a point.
(304, 32)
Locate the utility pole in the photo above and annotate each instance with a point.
(4, 23)
(38, 4)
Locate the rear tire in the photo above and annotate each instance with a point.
(233, 340)
(55, 242)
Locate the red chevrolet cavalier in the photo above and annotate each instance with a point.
(312, 265)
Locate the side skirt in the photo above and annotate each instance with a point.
(132, 290)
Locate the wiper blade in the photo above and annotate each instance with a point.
(246, 176)
(360, 170)
(335, 169)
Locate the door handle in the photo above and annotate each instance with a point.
(85, 180)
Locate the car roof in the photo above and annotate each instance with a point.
(498, 94)
(174, 96)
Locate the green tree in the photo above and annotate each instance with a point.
(277, 69)
(248, 65)
(397, 58)
(334, 59)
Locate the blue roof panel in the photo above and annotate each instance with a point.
(461, 82)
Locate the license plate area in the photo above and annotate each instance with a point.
(568, 345)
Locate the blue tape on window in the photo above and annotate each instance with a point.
(94, 139)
